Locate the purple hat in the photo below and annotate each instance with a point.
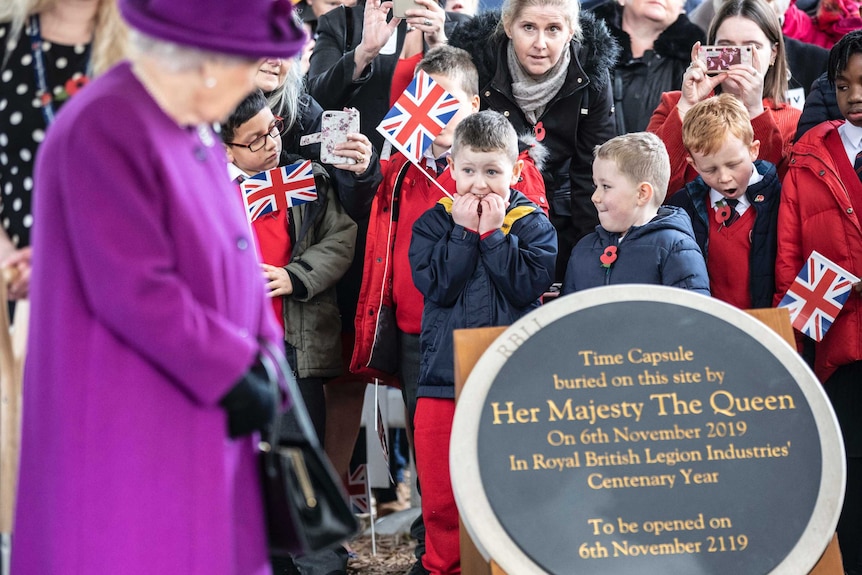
(252, 28)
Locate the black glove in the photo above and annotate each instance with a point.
(250, 404)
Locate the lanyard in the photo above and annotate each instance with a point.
(45, 96)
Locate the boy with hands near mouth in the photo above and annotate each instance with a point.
(480, 259)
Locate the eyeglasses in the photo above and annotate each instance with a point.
(276, 129)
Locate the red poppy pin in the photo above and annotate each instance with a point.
(722, 212)
(609, 256)
(72, 86)
(758, 198)
(539, 131)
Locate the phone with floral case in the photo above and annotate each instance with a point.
(335, 125)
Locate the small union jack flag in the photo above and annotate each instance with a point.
(418, 116)
(817, 295)
(357, 488)
(278, 189)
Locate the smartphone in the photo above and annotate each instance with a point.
(335, 125)
(400, 7)
(719, 58)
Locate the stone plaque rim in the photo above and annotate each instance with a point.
(474, 507)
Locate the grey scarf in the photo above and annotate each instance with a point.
(533, 94)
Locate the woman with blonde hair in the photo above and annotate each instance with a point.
(546, 66)
(49, 49)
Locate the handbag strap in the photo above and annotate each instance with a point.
(281, 377)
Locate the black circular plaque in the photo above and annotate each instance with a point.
(635, 429)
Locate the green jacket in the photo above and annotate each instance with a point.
(323, 238)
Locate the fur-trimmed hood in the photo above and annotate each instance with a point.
(674, 42)
(597, 50)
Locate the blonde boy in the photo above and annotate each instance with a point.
(733, 203)
(638, 240)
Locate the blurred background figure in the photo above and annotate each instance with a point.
(656, 40)
(49, 50)
(143, 384)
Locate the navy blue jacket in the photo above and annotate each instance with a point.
(662, 251)
(763, 196)
(468, 282)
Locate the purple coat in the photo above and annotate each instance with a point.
(147, 304)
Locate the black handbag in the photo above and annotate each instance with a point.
(305, 505)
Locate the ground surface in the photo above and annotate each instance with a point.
(394, 556)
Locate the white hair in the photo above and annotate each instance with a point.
(176, 57)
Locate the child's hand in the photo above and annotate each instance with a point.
(277, 281)
(493, 212)
(858, 285)
(465, 211)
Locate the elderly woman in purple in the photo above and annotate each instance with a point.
(143, 389)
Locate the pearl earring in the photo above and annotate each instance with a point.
(210, 82)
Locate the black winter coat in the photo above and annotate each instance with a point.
(639, 82)
(578, 118)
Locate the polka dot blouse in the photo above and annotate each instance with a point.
(22, 123)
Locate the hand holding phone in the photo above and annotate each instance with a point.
(400, 7)
(719, 59)
(335, 125)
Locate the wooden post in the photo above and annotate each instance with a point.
(470, 344)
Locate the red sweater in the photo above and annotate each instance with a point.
(775, 129)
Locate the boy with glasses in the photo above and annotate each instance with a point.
(304, 251)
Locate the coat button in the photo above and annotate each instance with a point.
(849, 210)
(487, 93)
(242, 243)
(580, 80)
(822, 172)
(506, 113)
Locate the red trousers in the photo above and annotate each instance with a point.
(432, 429)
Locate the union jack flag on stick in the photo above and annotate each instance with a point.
(817, 295)
(278, 189)
(418, 116)
(357, 489)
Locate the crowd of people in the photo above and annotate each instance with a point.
(592, 146)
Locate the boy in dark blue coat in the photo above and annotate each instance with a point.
(482, 258)
(733, 203)
(638, 240)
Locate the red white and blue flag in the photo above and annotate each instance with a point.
(817, 295)
(357, 489)
(418, 116)
(278, 189)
